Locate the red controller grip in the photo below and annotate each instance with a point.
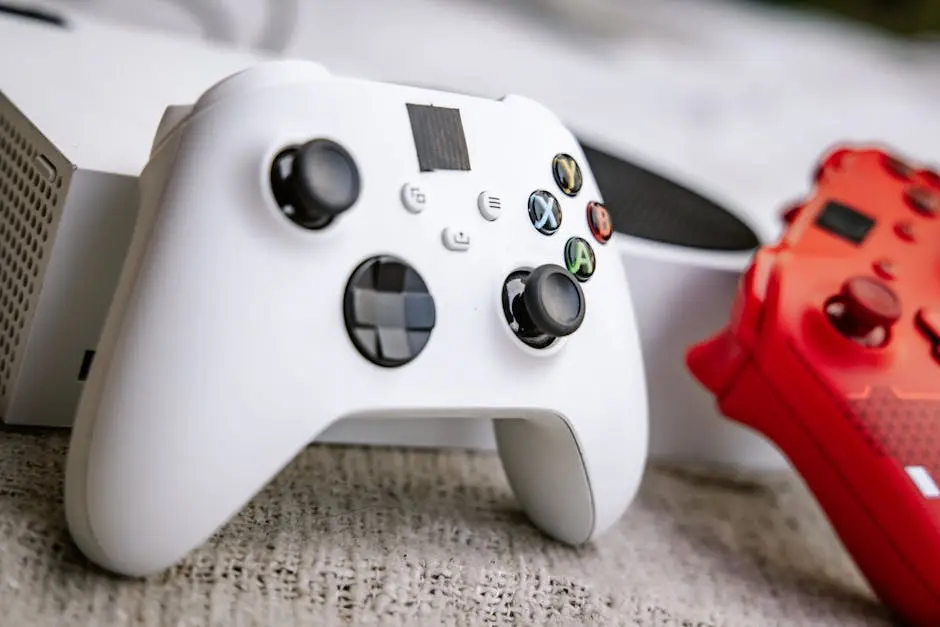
(832, 353)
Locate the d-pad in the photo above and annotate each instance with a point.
(388, 310)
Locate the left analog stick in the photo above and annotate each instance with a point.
(315, 182)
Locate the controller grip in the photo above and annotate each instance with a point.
(141, 494)
(898, 562)
(572, 485)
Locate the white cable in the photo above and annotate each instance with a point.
(279, 28)
(214, 17)
(218, 24)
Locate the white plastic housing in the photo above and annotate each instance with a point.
(225, 351)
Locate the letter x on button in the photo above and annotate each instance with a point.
(544, 212)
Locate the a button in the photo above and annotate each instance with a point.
(315, 182)
(896, 167)
(455, 239)
(928, 321)
(567, 174)
(388, 311)
(544, 212)
(905, 231)
(866, 305)
(579, 258)
(924, 201)
(884, 269)
(414, 197)
(599, 222)
(490, 205)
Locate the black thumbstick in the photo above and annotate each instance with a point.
(543, 305)
(315, 182)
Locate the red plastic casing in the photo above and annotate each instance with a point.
(858, 423)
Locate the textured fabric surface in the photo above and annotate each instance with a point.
(378, 536)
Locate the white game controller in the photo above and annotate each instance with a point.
(313, 248)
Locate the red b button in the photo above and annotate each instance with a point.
(599, 222)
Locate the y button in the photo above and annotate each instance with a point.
(567, 174)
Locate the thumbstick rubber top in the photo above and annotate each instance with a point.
(554, 300)
(869, 304)
(325, 179)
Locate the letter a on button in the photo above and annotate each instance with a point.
(579, 258)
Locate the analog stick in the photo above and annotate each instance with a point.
(867, 304)
(315, 182)
(543, 305)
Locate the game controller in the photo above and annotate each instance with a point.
(832, 353)
(312, 248)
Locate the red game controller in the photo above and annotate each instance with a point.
(833, 353)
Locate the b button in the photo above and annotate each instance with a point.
(579, 258)
(567, 174)
(599, 222)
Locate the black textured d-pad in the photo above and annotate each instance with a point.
(388, 310)
(644, 204)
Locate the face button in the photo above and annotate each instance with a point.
(544, 212)
(579, 258)
(490, 205)
(315, 182)
(599, 222)
(897, 168)
(864, 310)
(922, 200)
(388, 311)
(884, 269)
(905, 231)
(414, 197)
(567, 174)
(543, 305)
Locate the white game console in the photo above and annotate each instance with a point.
(314, 248)
(684, 255)
(79, 102)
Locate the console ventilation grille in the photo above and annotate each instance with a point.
(30, 188)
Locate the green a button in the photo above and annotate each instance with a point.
(579, 258)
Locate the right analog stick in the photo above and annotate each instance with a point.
(544, 304)
(867, 304)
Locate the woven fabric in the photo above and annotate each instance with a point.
(376, 536)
